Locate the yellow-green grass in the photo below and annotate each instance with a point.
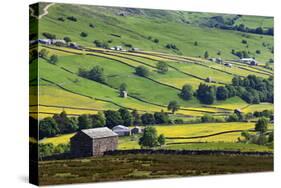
(201, 129)
(52, 95)
(231, 103)
(49, 111)
(61, 139)
(258, 107)
(220, 146)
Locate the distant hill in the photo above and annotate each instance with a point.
(141, 28)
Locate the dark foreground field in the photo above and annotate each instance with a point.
(141, 166)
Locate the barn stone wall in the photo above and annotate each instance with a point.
(102, 145)
(81, 145)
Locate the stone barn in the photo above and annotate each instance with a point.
(93, 142)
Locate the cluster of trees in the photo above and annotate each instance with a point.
(228, 24)
(251, 89)
(171, 46)
(150, 138)
(258, 30)
(53, 59)
(95, 74)
(240, 54)
(62, 123)
(262, 136)
(101, 44)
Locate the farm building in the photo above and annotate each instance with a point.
(93, 142)
(121, 130)
(249, 61)
(136, 130)
(228, 65)
(58, 41)
(124, 94)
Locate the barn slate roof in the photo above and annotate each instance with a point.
(99, 132)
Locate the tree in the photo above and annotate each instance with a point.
(207, 118)
(173, 106)
(186, 92)
(65, 124)
(161, 117)
(67, 39)
(96, 74)
(48, 128)
(222, 93)
(126, 116)
(206, 55)
(195, 43)
(156, 40)
(261, 125)
(98, 120)
(43, 53)
(161, 140)
(244, 41)
(142, 71)
(136, 118)
(206, 94)
(113, 118)
(232, 118)
(83, 34)
(147, 119)
(53, 59)
(149, 138)
(162, 67)
(123, 87)
(84, 122)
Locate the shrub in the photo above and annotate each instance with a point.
(61, 19)
(162, 67)
(49, 35)
(72, 18)
(53, 59)
(142, 71)
(83, 34)
(156, 40)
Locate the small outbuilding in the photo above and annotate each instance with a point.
(124, 94)
(93, 142)
(121, 130)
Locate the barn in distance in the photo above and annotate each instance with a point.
(93, 142)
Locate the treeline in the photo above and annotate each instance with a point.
(229, 24)
(251, 89)
(63, 124)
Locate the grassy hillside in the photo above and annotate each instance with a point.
(167, 26)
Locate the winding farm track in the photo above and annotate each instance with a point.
(44, 13)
